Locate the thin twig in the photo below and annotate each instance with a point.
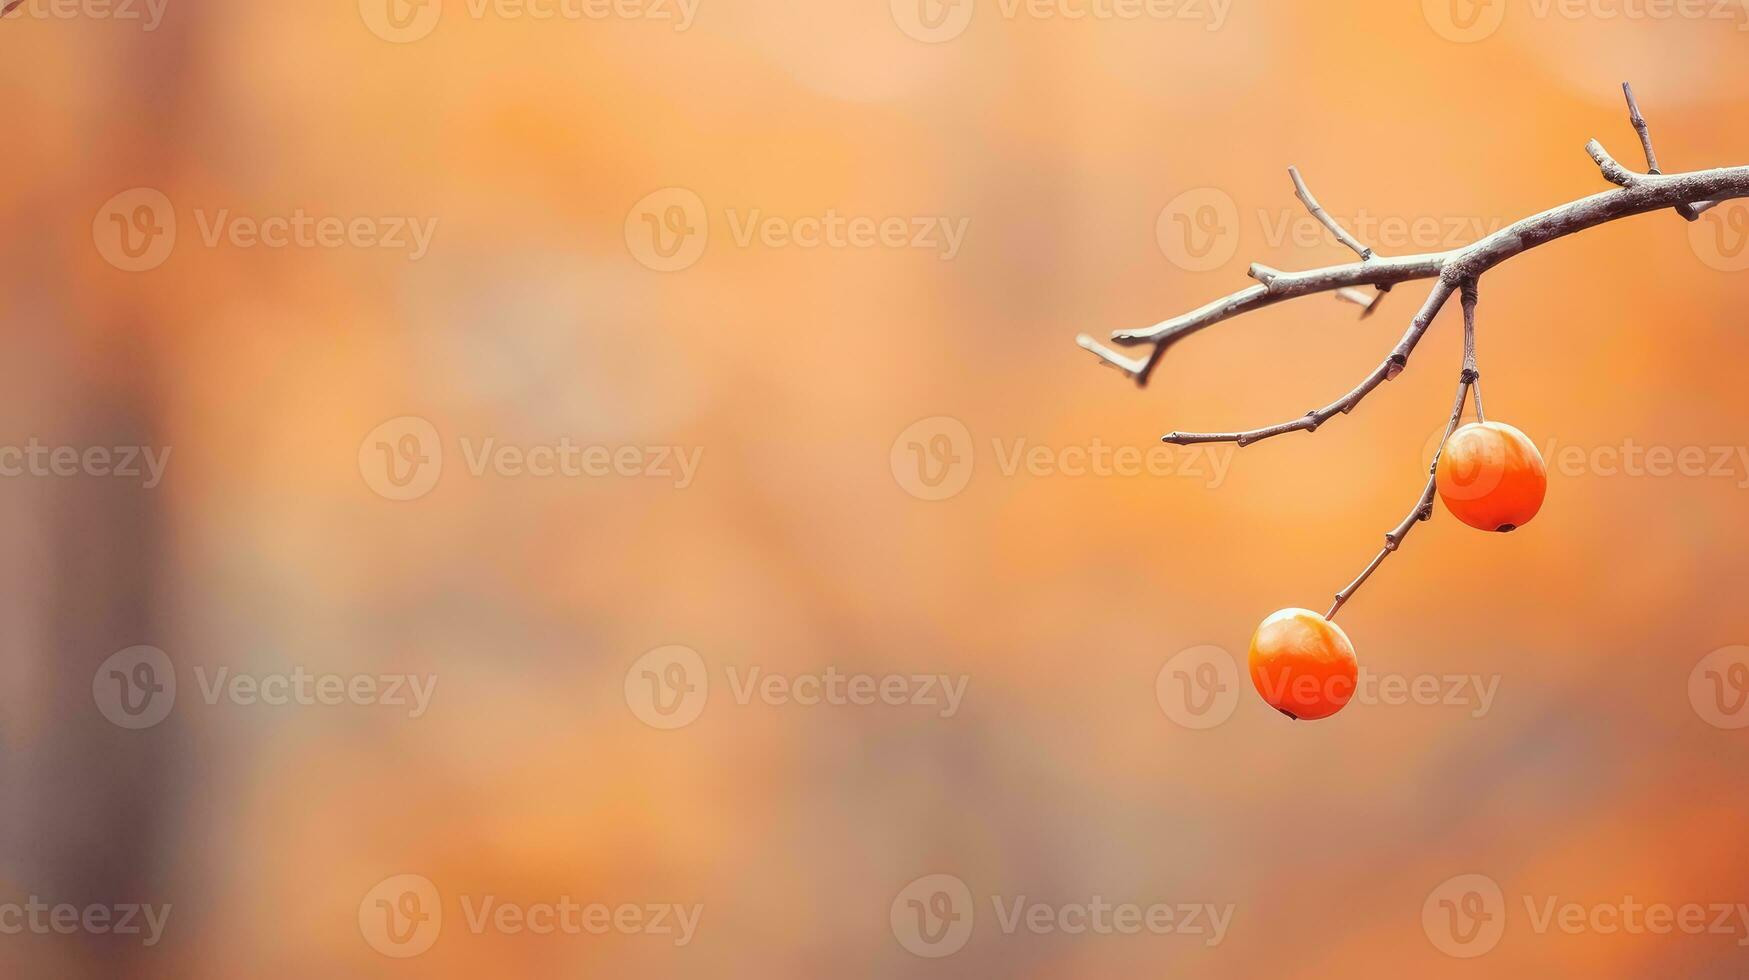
(1389, 368)
(1423, 509)
(1304, 193)
(1470, 373)
(1639, 123)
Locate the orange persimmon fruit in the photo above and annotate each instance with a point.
(1303, 665)
(1491, 476)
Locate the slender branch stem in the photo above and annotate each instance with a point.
(1304, 193)
(1389, 368)
(1422, 511)
(1639, 123)
(1470, 374)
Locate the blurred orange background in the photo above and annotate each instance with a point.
(795, 376)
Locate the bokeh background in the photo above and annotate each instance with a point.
(1059, 144)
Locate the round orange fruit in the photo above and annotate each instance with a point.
(1303, 665)
(1491, 476)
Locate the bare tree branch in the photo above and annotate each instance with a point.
(1637, 194)
(1456, 270)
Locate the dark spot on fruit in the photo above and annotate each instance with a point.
(1505, 527)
